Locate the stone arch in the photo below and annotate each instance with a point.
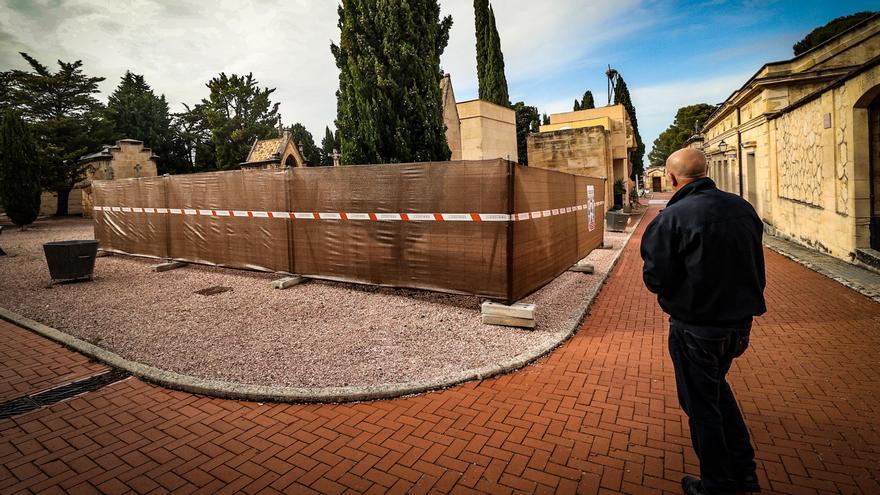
(290, 162)
(866, 167)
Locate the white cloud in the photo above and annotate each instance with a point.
(178, 45)
(656, 105)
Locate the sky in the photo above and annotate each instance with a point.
(671, 53)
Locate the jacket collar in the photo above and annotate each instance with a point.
(699, 185)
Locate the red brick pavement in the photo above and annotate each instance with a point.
(599, 415)
(32, 364)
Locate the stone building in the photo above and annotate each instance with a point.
(126, 159)
(656, 181)
(800, 140)
(478, 129)
(277, 152)
(596, 142)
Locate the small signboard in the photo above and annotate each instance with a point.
(591, 208)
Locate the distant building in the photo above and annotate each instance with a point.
(478, 129)
(278, 152)
(596, 142)
(126, 159)
(800, 140)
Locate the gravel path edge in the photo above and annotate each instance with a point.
(265, 393)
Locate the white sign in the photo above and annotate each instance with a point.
(591, 208)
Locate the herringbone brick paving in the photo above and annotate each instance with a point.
(598, 415)
(32, 364)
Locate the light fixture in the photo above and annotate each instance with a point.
(722, 146)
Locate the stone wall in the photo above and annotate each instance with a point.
(799, 154)
(583, 151)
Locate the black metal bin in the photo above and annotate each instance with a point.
(71, 259)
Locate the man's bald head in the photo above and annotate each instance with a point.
(687, 164)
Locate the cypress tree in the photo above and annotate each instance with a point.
(577, 105)
(490, 58)
(588, 103)
(19, 170)
(328, 145)
(389, 107)
(622, 97)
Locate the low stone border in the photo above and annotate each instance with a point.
(265, 393)
(823, 271)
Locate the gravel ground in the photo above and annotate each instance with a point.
(317, 334)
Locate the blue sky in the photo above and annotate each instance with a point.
(670, 53)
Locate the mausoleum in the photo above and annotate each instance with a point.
(800, 140)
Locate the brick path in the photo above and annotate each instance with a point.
(32, 364)
(599, 415)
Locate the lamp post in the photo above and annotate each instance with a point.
(722, 146)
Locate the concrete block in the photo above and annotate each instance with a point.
(582, 268)
(508, 321)
(516, 310)
(284, 283)
(171, 265)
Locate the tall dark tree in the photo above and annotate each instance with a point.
(586, 103)
(490, 59)
(622, 97)
(302, 136)
(329, 145)
(389, 107)
(136, 112)
(19, 170)
(66, 118)
(527, 120)
(192, 134)
(238, 112)
(682, 128)
(824, 33)
(545, 120)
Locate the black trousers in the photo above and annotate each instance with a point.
(702, 356)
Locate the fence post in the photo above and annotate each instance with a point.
(288, 184)
(511, 205)
(166, 181)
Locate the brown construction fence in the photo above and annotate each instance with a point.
(489, 228)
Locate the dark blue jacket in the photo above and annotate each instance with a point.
(704, 259)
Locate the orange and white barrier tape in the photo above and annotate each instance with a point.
(404, 217)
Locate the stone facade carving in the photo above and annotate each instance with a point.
(799, 154)
(842, 170)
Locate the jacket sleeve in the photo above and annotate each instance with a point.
(660, 254)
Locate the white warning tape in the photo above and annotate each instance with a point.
(382, 217)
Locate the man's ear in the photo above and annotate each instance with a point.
(673, 179)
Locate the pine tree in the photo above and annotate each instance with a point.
(192, 134)
(238, 111)
(136, 112)
(622, 97)
(19, 170)
(329, 145)
(389, 107)
(66, 118)
(577, 105)
(490, 58)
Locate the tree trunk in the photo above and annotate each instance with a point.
(63, 199)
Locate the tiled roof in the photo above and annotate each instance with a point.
(266, 149)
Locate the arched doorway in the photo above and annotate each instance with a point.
(874, 167)
(289, 162)
(866, 122)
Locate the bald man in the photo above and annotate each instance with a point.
(704, 260)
